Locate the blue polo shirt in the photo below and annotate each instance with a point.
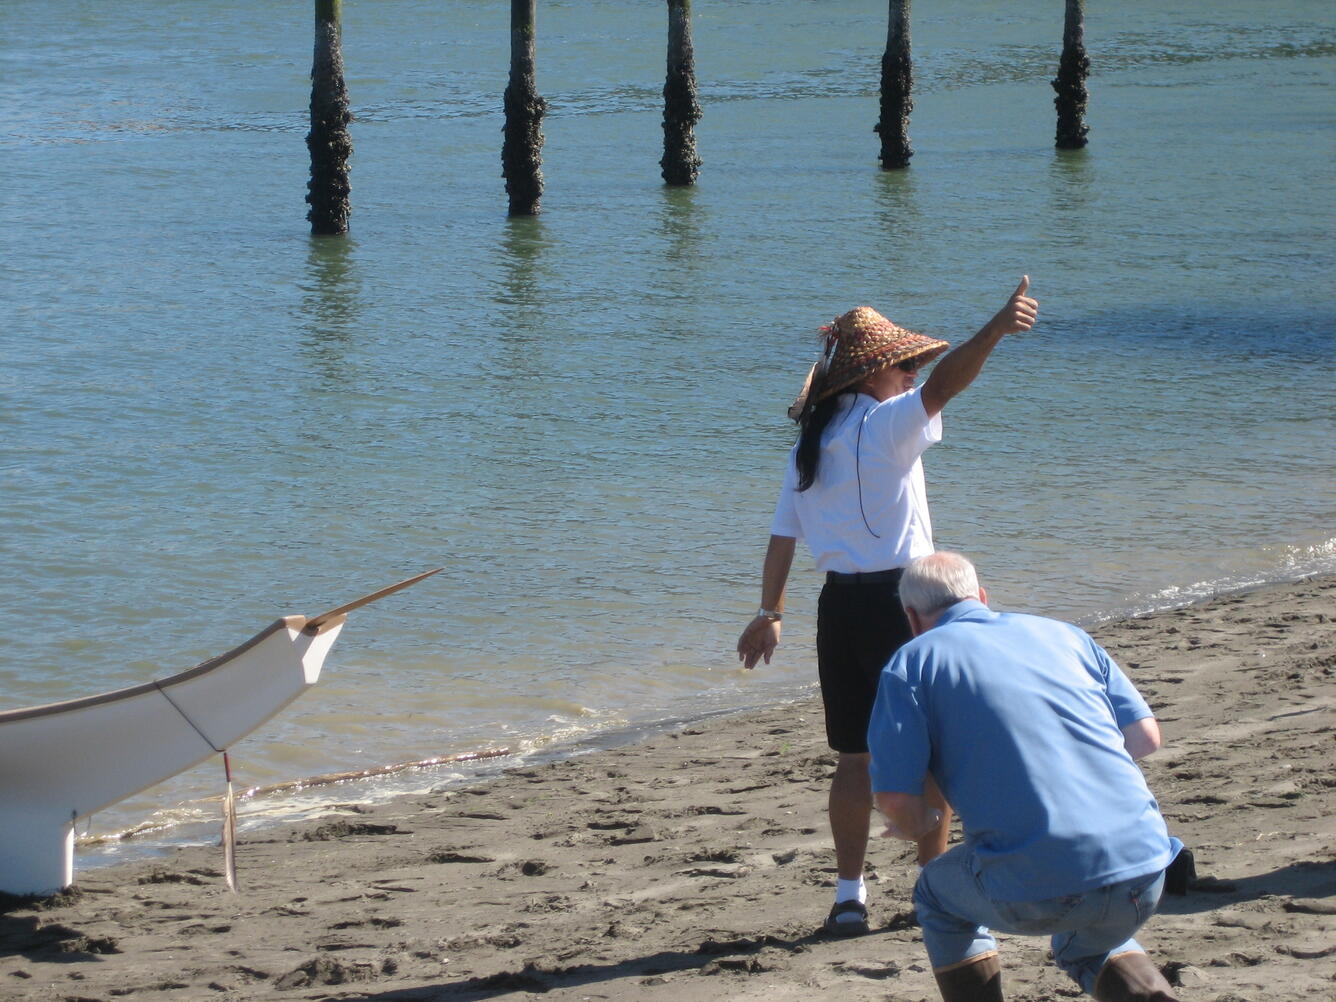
(1019, 719)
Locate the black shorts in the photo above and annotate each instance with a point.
(859, 625)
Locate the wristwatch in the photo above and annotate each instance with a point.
(770, 614)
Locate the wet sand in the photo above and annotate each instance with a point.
(695, 865)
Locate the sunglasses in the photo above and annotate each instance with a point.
(910, 365)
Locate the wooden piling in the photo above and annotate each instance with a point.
(329, 143)
(1070, 82)
(897, 81)
(681, 110)
(522, 150)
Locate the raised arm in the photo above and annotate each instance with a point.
(761, 636)
(960, 366)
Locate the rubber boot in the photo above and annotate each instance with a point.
(1132, 977)
(975, 981)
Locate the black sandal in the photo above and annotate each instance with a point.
(848, 927)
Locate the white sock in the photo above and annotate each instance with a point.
(851, 890)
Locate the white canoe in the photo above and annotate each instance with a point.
(64, 761)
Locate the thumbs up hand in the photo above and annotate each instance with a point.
(1019, 314)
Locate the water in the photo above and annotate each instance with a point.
(211, 419)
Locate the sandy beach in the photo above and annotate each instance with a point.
(695, 865)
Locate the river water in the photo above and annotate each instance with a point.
(211, 419)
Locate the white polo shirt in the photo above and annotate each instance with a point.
(873, 448)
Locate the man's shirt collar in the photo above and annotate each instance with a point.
(966, 608)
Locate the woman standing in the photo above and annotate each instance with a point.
(854, 490)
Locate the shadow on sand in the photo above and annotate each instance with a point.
(1305, 880)
(733, 955)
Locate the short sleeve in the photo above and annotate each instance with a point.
(1128, 706)
(900, 427)
(786, 521)
(897, 735)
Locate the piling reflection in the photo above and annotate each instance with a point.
(681, 266)
(901, 226)
(331, 306)
(521, 293)
(520, 288)
(1071, 196)
(680, 220)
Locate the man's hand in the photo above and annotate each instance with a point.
(758, 641)
(1019, 314)
(908, 817)
(931, 818)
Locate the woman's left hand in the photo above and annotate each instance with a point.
(758, 641)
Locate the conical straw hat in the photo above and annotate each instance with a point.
(858, 344)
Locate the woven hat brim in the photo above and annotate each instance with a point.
(800, 401)
(913, 345)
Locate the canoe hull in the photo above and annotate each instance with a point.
(62, 762)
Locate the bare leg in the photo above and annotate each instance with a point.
(851, 813)
(933, 844)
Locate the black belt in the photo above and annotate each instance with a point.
(864, 577)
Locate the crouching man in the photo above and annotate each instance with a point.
(1030, 730)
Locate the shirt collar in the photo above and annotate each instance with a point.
(873, 401)
(968, 608)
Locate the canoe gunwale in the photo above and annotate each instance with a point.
(294, 623)
(311, 625)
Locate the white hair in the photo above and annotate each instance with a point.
(936, 581)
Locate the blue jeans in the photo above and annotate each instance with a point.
(1086, 929)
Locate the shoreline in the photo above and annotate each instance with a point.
(148, 839)
(142, 843)
(151, 838)
(694, 863)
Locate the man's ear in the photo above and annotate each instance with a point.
(983, 594)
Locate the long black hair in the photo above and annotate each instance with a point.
(814, 422)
